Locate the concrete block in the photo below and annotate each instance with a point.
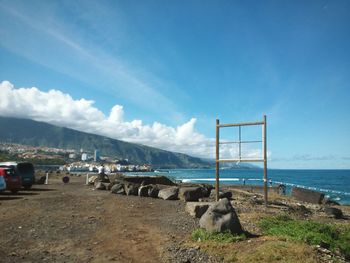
(308, 196)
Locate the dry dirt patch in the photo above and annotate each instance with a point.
(74, 223)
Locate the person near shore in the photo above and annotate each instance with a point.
(101, 173)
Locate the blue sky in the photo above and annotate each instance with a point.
(182, 64)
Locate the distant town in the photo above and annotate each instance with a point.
(69, 159)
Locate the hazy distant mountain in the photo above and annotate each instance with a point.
(29, 132)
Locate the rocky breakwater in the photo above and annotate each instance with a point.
(155, 187)
(214, 216)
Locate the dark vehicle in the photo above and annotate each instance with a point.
(24, 170)
(13, 181)
(2, 184)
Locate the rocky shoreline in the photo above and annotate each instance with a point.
(74, 222)
(199, 198)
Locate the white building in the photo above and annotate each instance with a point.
(84, 156)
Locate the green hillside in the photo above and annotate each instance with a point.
(29, 132)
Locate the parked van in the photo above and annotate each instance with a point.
(13, 181)
(24, 170)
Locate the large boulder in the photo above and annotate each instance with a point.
(100, 186)
(143, 190)
(334, 212)
(153, 191)
(131, 189)
(197, 209)
(221, 217)
(327, 201)
(222, 194)
(170, 193)
(108, 186)
(118, 189)
(206, 189)
(41, 180)
(149, 180)
(190, 193)
(92, 179)
(306, 195)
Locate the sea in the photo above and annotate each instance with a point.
(335, 184)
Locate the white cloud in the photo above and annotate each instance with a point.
(61, 109)
(64, 47)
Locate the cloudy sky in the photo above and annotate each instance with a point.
(161, 72)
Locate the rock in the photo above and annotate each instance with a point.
(108, 186)
(190, 193)
(226, 194)
(334, 212)
(222, 194)
(324, 244)
(256, 200)
(131, 189)
(118, 189)
(300, 210)
(281, 189)
(143, 190)
(100, 186)
(41, 180)
(153, 191)
(221, 217)
(206, 189)
(306, 195)
(92, 179)
(327, 201)
(149, 180)
(170, 193)
(197, 209)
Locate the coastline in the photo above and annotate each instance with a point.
(75, 222)
(335, 184)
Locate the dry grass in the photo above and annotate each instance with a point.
(279, 251)
(261, 250)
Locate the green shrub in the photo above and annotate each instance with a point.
(313, 233)
(202, 235)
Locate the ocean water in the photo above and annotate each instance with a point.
(335, 184)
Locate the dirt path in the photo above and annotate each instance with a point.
(73, 223)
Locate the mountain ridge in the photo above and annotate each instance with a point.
(41, 134)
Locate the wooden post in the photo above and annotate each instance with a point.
(239, 142)
(265, 161)
(262, 159)
(217, 159)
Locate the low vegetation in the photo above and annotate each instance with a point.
(334, 236)
(227, 247)
(203, 235)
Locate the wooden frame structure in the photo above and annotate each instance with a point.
(239, 142)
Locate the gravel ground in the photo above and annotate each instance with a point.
(76, 223)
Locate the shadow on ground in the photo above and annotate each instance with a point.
(17, 194)
(39, 190)
(6, 198)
